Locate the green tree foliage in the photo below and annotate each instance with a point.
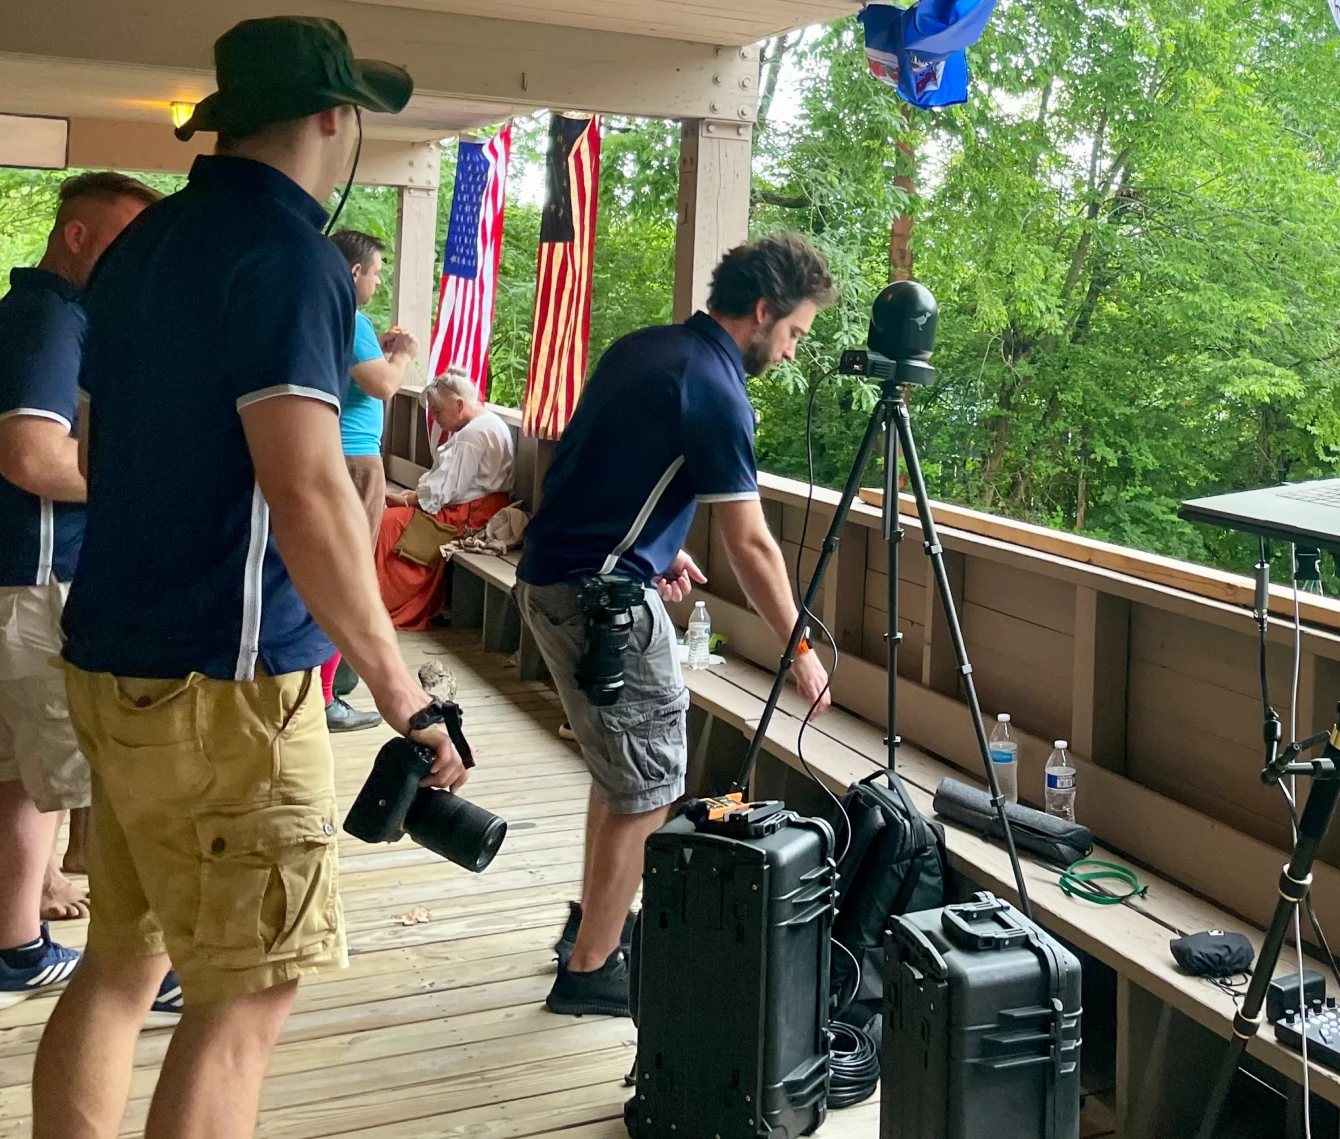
(1131, 228)
(1131, 231)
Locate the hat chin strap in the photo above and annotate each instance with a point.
(349, 185)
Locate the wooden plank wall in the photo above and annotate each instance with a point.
(1156, 685)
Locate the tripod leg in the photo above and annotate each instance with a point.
(1294, 881)
(936, 553)
(892, 531)
(878, 419)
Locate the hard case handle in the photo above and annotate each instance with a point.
(955, 920)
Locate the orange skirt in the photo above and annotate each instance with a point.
(413, 594)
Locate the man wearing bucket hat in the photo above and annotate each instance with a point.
(194, 638)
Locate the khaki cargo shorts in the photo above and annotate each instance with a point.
(637, 749)
(213, 827)
(37, 742)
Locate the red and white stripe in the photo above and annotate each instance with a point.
(465, 306)
(561, 332)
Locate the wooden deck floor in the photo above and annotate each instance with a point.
(437, 1029)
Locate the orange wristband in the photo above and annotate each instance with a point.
(803, 647)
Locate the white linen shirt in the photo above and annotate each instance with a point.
(475, 461)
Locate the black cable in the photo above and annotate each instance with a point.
(854, 1065)
(349, 185)
(800, 601)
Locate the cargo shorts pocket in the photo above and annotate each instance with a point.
(267, 883)
(648, 738)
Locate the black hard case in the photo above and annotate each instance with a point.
(982, 1027)
(731, 984)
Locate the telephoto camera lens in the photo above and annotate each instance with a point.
(455, 828)
(606, 602)
(600, 670)
(391, 804)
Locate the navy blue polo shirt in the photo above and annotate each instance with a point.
(663, 423)
(41, 337)
(222, 295)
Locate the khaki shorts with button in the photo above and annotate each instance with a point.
(213, 827)
(37, 742)
(637, 749)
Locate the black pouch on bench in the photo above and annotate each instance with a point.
(1054, 839)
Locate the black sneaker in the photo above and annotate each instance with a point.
(601, 993)
(342, 717)
(567, 941)
(346, 679)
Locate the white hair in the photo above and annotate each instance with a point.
(455, 382)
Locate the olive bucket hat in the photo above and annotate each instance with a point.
(288, 67)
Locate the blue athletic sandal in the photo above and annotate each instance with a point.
(51, 965)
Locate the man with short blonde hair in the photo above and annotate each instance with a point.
(42, 493)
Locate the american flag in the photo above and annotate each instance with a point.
(561, 331)
(470, 264)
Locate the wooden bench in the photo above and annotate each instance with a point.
(481, 598)
(1170, 1028)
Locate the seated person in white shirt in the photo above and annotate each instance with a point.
(475, 461)
(470, 481)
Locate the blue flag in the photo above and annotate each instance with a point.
(920, 50)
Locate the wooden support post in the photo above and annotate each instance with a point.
(939, 667)
(714, 180)
(415, 253)
(467, 598)
(1102, 660)
(502, 621)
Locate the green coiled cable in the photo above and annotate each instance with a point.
(1078, 879)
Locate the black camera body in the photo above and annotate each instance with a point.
(901, 338)
(391, 803)
(606, 601)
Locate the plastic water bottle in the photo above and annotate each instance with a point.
(699, 637)
(1061, 782)
(1005, 758)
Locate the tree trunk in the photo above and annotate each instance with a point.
(773, 54)
(900, 238)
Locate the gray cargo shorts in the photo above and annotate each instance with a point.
(637, 749)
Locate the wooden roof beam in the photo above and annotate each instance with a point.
(510, 63)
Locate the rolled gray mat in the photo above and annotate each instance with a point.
(1045, 835)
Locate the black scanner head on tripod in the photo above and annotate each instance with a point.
(901, 338)
(902, 322)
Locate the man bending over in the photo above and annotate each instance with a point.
(663, 424)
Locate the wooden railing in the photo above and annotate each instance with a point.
(1146, 665)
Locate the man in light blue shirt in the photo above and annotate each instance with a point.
(376, 372)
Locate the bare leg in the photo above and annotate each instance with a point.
(596, 814)
(82, 1074)
(26, 837)
(612, 881)
(62, 900)
(75, 859)
(210, 1086)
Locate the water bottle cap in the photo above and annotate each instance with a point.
(1060, 745)
(1003, 718)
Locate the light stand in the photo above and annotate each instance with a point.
(1293, 886)
(902, 334)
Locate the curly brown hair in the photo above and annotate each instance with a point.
(782, 269)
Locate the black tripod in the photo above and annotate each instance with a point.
(1293, 885)
(891, 417)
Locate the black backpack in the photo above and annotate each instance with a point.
(894, 863)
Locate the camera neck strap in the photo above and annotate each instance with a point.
(447, 714)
